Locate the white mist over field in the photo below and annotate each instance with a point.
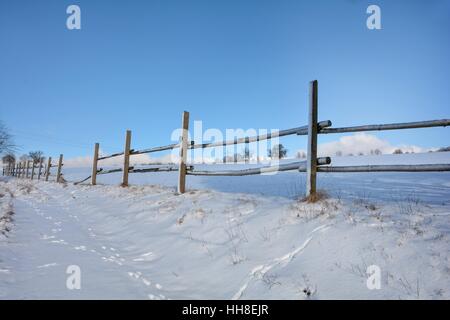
(229, 237)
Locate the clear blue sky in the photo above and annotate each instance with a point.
(231, 63)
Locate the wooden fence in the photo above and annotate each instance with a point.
(30, 169)
(311, 166)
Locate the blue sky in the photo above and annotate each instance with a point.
(232, 64)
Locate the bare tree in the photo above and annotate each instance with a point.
(301, 155)
(398, 151)
(247, 154)
(36, 156)
(6, 143)
(278, 152)
(9, 159)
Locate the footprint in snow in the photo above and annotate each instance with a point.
(47, 265)
(113, 259)
(146, 282)
(47, 237)
(145, 257)
(138, 275)
(61, 241)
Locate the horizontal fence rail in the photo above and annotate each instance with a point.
(390, 126)
(111, 156)
(281, 133)
(311, 166)
(388, 168)
(157, 149)
(299, 165)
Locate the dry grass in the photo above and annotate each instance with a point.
(318, 196)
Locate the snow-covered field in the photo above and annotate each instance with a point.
(229, 237)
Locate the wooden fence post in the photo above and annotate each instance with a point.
(235, 156)
(32, 169)
(49, 165)
(183, 152)
(94, 165)
(20, 170)
(224, 148)
(27, 168)
(40, 168)
(126, 158)
(311, 161)
(58, 173)
(247, 151)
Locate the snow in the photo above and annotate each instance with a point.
(229, 237)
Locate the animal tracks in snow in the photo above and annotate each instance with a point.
(259, 271)
(138, 276)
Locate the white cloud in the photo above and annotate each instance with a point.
(363, 143)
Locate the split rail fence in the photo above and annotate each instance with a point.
(311, 166)
(30, 169)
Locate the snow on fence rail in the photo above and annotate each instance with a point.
(311, 166)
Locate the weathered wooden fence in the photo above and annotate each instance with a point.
(27, 169)
(311, 166)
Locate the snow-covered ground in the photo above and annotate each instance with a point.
(229, 237)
